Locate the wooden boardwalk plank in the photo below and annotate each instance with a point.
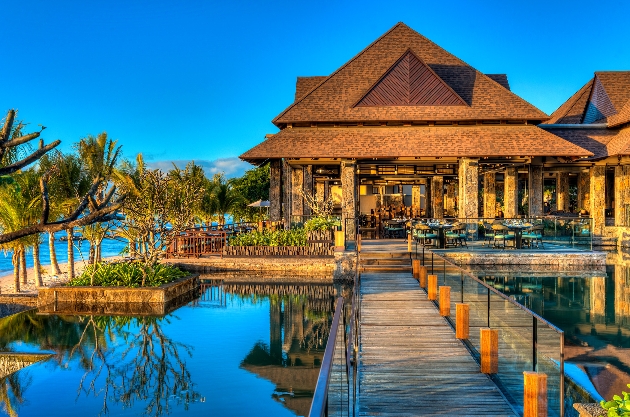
(410, 362)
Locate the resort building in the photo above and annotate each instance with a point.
(406, 128)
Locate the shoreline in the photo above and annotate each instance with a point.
(6, 281)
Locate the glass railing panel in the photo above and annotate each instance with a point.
(548, 361)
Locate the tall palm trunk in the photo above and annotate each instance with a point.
(92, 254)
(98, 256)
(15, 260)
(36, 266)
(23, 265)
(54, 265)
(70, 234)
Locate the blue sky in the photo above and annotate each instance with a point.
(202, 79)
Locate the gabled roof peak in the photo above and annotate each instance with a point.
(410, 82)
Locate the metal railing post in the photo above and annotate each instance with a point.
(534, 344)
(562, 374)
(488, 307)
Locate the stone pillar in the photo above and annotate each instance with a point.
(275, 190)
(468, 175)
(510, 193)
(297, 201)
(415, 199)
(535, 190)
(308, 187)
(286, 193)
(622, 194)
(584, 190)
(320, 190)
(598, 198)
(437, 197)
(449, 199)
(562, 191)
(348, 192)
(489, 195)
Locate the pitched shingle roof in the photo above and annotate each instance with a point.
(391, 142)
(601, 142)
(305, 84)
(335, 98)
(500, 79)
(620, 118)
(602, 100)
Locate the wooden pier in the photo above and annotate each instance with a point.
(410, 363)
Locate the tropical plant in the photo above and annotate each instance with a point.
(321, 223)
(127, 274)
(158, 208)
(293, 237)
(618, 406)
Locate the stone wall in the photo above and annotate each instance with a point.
(95, 295)
(11, 362)
(589, 259)
(450, 200)
(536, 190)
(341, 266)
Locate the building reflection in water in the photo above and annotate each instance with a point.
(299, 322)
(591, 307)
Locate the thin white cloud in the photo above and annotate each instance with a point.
(230, 167)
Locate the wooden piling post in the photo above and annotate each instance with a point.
(445, 301)
(422, 276)
(359, 242)
(415, 267)
(409, 240)
(462, 329)
(433, 287)
(489, 351)
(340, 241)
(534, 394)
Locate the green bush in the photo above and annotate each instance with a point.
(321, 223)
(127, 274)
(618, 406)
(294, 237)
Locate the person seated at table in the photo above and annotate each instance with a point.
(500, 214)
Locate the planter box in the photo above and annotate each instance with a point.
(116, 300)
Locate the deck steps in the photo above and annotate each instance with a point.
(385, 262)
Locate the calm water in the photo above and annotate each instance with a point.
(110, 247)
(591, 307)
(238, 350)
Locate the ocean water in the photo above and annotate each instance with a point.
(111, 247)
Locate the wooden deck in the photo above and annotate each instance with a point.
(410, 363)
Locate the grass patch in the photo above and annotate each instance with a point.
(127, 274)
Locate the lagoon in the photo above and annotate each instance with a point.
(235, 350)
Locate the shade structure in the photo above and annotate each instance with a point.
(259, 203)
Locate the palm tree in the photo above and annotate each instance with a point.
(100, 155)
(19, 207)
(224, 198)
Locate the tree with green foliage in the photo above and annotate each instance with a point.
(158, 207)
(224, 198)
(252, 186)
(16, 154)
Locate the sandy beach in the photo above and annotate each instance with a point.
(6, 281)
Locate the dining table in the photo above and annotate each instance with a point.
(441, 231)
(518, 233)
